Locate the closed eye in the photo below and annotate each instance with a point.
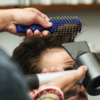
(68, 68)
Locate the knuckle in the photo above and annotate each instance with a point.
(34, 16)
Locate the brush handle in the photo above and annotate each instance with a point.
(33, 27)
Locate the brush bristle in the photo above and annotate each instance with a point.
(66, 25)
(60, 25)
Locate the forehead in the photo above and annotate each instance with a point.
(56, 57)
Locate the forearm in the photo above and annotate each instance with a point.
(5, 19)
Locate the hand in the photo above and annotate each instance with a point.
(44, 70)
(71, 80)
(27, 16)
(53, 69)
(62, 83)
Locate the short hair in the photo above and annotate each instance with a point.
(28, 53)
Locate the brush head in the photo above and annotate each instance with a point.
(67, 25)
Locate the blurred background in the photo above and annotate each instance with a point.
(87, 10)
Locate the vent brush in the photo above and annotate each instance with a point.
(65, 24)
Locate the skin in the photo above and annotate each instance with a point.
(64, 85)
(61, 60)
(27, 16)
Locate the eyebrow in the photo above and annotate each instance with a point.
(68, 68)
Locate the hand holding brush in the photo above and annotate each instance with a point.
(9, 18)
(60, 25)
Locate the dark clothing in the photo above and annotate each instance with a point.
(12, 83)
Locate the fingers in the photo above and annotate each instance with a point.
(32, 16)
(29, 33)
(67, 82)
(39, 13)
(45, 33)
(53, 69)
(39, 20)
(44, 16)
(74, 77)
(44, 70)
(80, 72)
(60, 69)
(69, 79)
(36, 33)
(31, 94)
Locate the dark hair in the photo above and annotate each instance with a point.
(28, 53)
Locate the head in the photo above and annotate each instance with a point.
(31, 51)
(45, 52)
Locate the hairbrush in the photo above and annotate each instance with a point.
(63, 24)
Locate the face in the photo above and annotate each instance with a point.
(59, 58)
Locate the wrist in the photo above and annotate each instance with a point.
(5, 19)
(50, 95)
(51, 90)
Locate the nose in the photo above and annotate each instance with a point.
(82, 89)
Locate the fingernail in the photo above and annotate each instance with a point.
(49, 24)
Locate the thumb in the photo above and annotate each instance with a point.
(74, 77)
(41, 21)
(69, 79)
(80, 72)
